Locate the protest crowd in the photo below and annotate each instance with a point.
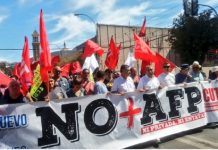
(57, 85)
(84, 83)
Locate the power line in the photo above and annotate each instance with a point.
(19, 49)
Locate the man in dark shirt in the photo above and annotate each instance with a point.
(183, 76)
(12, 94)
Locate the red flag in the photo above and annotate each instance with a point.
(16, 70)
(75, 67)
(55, 60)
(25, 69)
(5, 80)
(112, 55)
(65, 70)
(142, 50)
(159, 62)
(91, 48)
(45, 55)
(34, 65)
(143, 29)
(145, 62)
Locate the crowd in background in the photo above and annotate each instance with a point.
(103, 82)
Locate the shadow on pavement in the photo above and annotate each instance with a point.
(156, 144)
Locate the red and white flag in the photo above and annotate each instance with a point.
(45, 55)
(25, 73)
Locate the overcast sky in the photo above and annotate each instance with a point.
(19, 18)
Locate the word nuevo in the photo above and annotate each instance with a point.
(13, 121)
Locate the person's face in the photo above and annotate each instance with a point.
(51, 83)
(195, 68)
(108, 75)
(125, 72)
(185, 71)
(149, 71)
(86, 74)
(14, 88)
(166, 68)
(57, 72)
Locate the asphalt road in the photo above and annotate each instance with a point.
(195, 139)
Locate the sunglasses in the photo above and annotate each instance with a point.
(166, 66)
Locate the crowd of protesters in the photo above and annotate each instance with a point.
(103, 82)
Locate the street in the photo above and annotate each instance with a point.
(207, 139)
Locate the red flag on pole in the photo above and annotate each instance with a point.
(16, 70)
(65, 69)
(142, 50)
(76, 67)
(90, 48)
(25, 68)
(112, 55)
(143, 29)
(55, 60)
(45, 55)
(145, 62)
(5, 80)
(159, 62)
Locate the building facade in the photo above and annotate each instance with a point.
(157, 37)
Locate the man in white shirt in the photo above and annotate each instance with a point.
(149, 83)
(124, 83)
(166, 78)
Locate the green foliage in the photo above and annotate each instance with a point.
(192, 37)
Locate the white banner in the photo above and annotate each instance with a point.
(210, 91)
(102, 121)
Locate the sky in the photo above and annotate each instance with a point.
(19, 18)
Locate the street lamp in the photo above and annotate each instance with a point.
(210, 8)
(91, 19)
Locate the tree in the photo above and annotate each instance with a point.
(192, 37)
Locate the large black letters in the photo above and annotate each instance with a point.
(89, 117)
(69, 129)
(151, 99)
(174, 104)
(194, 98)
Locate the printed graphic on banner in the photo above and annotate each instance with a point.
(38, 89)
(210, 91)
(105, 121)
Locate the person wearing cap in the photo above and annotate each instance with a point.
(166, 78)
(183, 76)
(149, 83)
(214, 74)
(196, 73)
(60, 81)
(124, 83)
